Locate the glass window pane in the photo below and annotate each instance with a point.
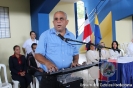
(4, 22)
(81, 16)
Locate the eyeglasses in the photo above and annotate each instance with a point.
(61, 19)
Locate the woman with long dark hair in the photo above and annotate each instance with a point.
(115, 51)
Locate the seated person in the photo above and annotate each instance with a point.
(92, 55)
(18, 68)
(104, 52)
(130, 48)
(34, 65)
(115, 52)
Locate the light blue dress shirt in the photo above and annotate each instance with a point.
(55, 49)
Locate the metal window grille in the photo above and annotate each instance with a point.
(4, 22)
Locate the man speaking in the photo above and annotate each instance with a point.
(53, 53)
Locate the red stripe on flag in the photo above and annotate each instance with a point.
(87, 31)
(101, 77)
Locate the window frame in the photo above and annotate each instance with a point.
(5, 28)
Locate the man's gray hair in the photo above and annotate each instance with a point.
(61, 12)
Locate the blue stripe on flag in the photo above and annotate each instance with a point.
(97, 34)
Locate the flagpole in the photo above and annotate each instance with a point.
(94, 10)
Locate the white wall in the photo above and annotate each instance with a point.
(20, 26)
(69, 9)
(124, 30)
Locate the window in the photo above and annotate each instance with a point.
(81, 16)
(4, 22)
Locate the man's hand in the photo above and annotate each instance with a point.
(51, 67)
(74, 64)
(40, 70)
(75, 61)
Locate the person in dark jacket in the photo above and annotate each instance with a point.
(18, 68)
(34, 65)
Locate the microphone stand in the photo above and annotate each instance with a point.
(67, 39)
(99, 47)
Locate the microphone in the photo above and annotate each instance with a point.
(58, 34)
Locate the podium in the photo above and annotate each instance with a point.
(68, 81)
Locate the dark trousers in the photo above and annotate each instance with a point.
(48, 82)
(23, 80)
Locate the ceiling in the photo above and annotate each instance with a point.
(70, 0)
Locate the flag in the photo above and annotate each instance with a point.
(87, 30)
(97, 33)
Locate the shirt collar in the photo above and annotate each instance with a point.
(53, 31)
(31, 39)
(15, 56)
(33, 53)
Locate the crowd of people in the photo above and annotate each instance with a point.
(114, 52)
(92, 54)
(24, 67)
(51, 53)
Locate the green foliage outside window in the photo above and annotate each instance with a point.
(80, 10)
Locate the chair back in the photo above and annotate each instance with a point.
(122, 52)
(37, 82)
(0, 76)
(124, 46)
(5, 74)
